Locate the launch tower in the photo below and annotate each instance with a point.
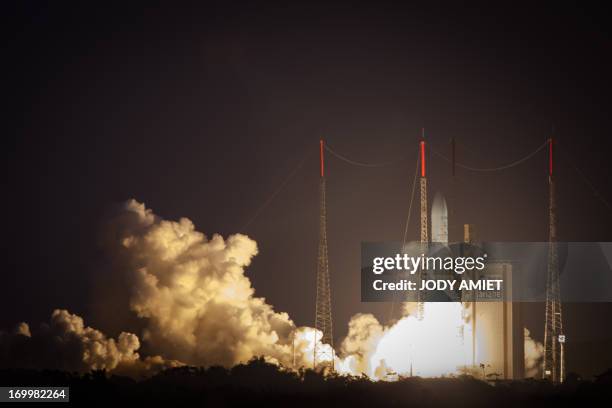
(424, 223)
(554, 340)
(323, 318)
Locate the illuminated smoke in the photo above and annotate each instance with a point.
(534, 351)
(196, 306)
(197, 303)
(192, 296)
(437, 345)
(430, 347)
(65, 343)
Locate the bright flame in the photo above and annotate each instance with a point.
(437, 345)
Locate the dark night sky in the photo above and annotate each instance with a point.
(202, 111)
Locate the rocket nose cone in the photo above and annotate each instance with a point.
(439, 219)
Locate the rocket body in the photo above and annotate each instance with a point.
(439, 220)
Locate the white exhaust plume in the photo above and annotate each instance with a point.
(437, 345)
(192, 295)
(534, 351)
(429, 347)
(192, 292)
(65, 343)
(196, 306)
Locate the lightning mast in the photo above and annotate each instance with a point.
(554, 340)
(323, 315)
(424, 222)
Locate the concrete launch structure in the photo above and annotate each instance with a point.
(497, 333)
(498, 343)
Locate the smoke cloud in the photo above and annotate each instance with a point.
(194, 305)
(534, 352)
(65, 343)
(433, 346)
(194, 302)
(198, 305)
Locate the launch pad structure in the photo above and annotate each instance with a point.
(424, 223)
(323, 313)
(554, 339)
(497, 329)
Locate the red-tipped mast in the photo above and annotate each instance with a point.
(322, 160)
(550, 156)
(422, 158)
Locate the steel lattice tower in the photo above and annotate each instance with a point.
(554, 359)
(323, 318)
(424, 219)
(424, 225)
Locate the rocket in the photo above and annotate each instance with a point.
(439, 220)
